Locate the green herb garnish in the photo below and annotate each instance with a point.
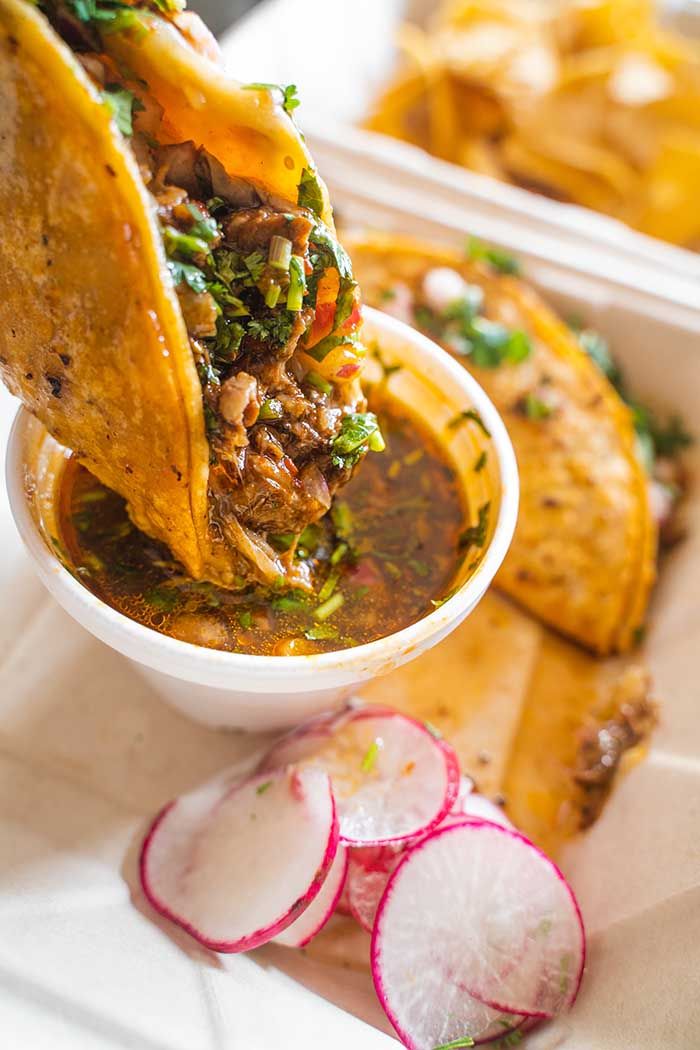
(122, 104)
(310, 194)
(289, 602)
(369, 759)
(342, 519)
(358, 432)
(203, 226)
(297, 284)
(326, 609)
(277, 328)
(321, 632)
(317, 381)
(262, 788)
(290, 99)
(469, 414)
(162, 598)
(480, 462)
(456, 1044)
(475, 535)
(534, 407)
(501, 260)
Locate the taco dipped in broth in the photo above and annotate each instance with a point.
(174, 304)
(583, 558)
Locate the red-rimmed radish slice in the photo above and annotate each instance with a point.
(314, 918)
(462, 905)
(477, 807)
(368, 873)
(234, 866)
(392, 778)
(342, 906)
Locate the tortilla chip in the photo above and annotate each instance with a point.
(583, 556)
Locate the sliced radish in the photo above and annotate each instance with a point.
(474, 923)
(235, 865)
(368, 873)
(392, 778)
(314, 918)
(370, 867)
(478, 807)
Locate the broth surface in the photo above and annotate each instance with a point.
(384, 556)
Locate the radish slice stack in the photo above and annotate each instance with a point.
(315, 917)
(392, 778)
(212, 859)
(518, 948)
(476, 936)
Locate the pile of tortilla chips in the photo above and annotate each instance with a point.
(589, 101)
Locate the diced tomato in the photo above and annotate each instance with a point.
(326, 300)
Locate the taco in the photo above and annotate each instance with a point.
(583, 556)
(174, 304)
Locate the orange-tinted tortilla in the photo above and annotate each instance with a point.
(92, 338)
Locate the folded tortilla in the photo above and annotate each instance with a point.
(152, 210)
(583, 556)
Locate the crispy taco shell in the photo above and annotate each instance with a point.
(583, 556)
(92, 332)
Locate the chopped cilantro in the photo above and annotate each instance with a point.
(358, 432)
(203, 226)
(289, 603)
(179, 243)
(290, 99)
(162, 598)
(475, 535)
(277, 328)
(599, 352)
(668, 439)
(122, 104)
(501, 261)
(329, 252)
(227, 341)
(534, 407)
(262, 788)
(113, 15)
(255, 264)
(310, 194)
(187, 273)
(480, 462)
(488, 343)
(462, 417)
